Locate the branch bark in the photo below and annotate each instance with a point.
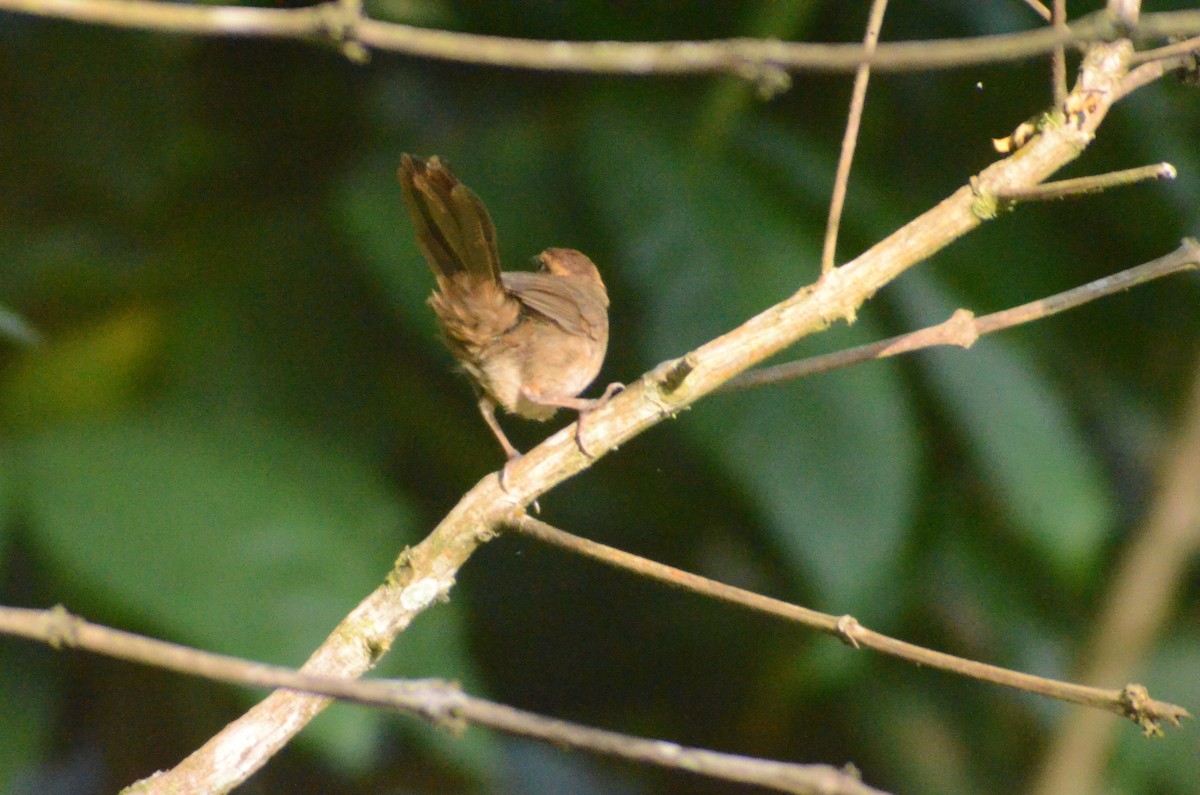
(438, 702)
(762, 61)
(963, 328)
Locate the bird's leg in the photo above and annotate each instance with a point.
(488, 409)
(584, 406)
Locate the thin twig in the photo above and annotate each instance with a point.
(1146, 712)
(963, 328)
(1185, 47)
(1058, 58)
(745, 57)
(1164, 60)
(1039, 8)
(850, 138)
(440, 703)
(1081, 186)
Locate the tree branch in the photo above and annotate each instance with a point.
(1141, 709)
(1082, 186)
(963, 328)
(759, 60)
(437, 702)
(850, 138)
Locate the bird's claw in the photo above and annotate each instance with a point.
(609, 391)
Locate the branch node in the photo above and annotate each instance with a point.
(339, 22)
(832, 281)
(1188, 71)
(848, 629)
(769, 80)
(62, 628)
(402, 564)
(488, 533)
(960, 328)
(439, 701)
(1080, 105)
(850, 770)
(670, 375)
(985, 205)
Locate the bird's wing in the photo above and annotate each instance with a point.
(565, 301)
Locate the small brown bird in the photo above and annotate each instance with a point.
(531, 342)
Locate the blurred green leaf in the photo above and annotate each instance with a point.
(369, 206)
(6, 499)
(16, 329)
(828, 459)
(233, 535)
(1021, 438)
(89, 371)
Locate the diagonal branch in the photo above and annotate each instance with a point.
(1140, 708)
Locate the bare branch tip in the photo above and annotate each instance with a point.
(1146, 712)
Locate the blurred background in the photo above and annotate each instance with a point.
(224, 409)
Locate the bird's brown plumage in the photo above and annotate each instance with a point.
(531, 341)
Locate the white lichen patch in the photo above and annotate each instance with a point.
(420, 594)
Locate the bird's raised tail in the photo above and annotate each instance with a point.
(454, 230)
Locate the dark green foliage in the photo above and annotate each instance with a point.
(239, 413)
